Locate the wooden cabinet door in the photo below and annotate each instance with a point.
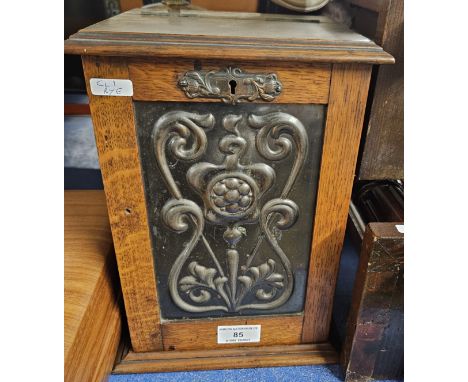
(228, 211)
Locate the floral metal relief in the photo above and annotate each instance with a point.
(233, 195)
(231, 85)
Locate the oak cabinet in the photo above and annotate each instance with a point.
(227, 144)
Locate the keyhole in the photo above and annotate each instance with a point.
(233, 85)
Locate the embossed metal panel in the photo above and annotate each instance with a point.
(231, 193)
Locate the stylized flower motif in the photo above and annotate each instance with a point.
(232, 195)
(231, 191)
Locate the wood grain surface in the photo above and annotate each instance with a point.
(157, 80)
(77, 109)
(373, 346)
(202, 334)
(99, 45)
(227, 6)
(114, 129)
(265, 356)
(345, 91)
(383, 152)
(348, 96)
(126, 5)
(240, 36)
(92, 318)
(372, 5)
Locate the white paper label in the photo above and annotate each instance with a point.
(239, 333)
(111, 87)
(400, 228)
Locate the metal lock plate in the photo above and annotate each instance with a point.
(230, 85)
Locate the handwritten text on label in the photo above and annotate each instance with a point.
(111, 87)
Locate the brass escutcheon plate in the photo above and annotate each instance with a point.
(230, 85)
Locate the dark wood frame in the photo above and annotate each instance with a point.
(373, 346)
(382, 143)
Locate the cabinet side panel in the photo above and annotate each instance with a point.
(114, 128)
(348, 95)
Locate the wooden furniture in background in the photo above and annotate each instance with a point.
(92, 315)
(373, 347)
(374, 201)
(126, 5)
(382, 144)
(77, 109)
(212, 5)
(155, 53)
(227, 6)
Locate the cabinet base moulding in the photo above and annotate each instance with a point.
(234, 358)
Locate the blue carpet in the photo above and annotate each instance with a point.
(327, 373)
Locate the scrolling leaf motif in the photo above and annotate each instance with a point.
(173, 129)
(175, 214)
(278, 132)
(216, 84)
(231, 193)
(264, 272)
(284, 129)
(288, 212)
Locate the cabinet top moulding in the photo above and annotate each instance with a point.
(199, 34)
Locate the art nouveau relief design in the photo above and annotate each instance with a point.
(233, 197)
